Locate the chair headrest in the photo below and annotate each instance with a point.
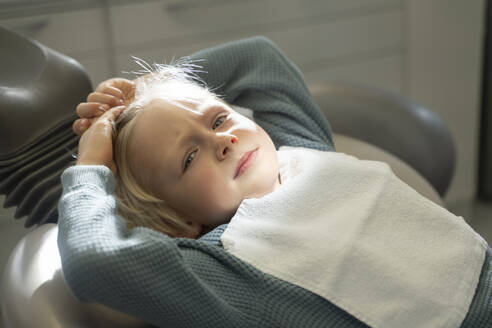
(39, 91)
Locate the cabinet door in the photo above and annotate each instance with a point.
(318, 49)
(385, 73)
(68, 32)
(175, 21)
(97, 67)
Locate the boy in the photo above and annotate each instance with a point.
(183, 282)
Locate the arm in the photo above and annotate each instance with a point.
(255, 74)
(164, 281)
(251, 73)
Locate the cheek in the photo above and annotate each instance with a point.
(209, 192)
(201, 187)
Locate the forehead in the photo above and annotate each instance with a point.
(160, 112)
(157, 127)
(164, 107)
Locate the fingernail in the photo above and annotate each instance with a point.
(103, 108)
(121, 102)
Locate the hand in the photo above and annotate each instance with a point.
(108, 94)
(96, 144)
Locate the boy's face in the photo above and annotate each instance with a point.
(210, 139)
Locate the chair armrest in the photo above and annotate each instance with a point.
(34, 292)
(365, 151)
(391, 122)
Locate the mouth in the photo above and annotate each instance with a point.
(246, 161)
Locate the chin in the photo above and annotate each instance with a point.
(205, 230)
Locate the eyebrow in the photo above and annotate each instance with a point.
(209, 113)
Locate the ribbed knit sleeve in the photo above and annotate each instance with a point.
(254, 73)
(165, 281)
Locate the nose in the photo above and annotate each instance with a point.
(224, 144)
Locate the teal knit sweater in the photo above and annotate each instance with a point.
(177, 282)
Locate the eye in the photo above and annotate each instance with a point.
(223, 116)
(188, 160)
(187, 163)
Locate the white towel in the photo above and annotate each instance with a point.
(350, 231)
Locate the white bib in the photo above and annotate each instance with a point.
(353, 233)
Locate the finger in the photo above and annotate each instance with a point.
(103, 84)
(91, 109)
(113, 113)
(80, 126)
(110, 90)
(108, 119)
(103, 98)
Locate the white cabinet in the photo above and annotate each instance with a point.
(344, 41)
(383, 73)
(70, 33)
(81, 34)
(319, 36)
(99, 68)
(178, 21)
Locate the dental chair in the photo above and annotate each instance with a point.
(39, 90)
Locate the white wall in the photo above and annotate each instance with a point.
(444, 73)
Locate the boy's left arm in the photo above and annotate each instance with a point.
(254, 73)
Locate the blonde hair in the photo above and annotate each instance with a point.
(177, 83)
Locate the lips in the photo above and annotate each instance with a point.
(246, 161)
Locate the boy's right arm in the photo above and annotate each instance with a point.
(171, 282)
